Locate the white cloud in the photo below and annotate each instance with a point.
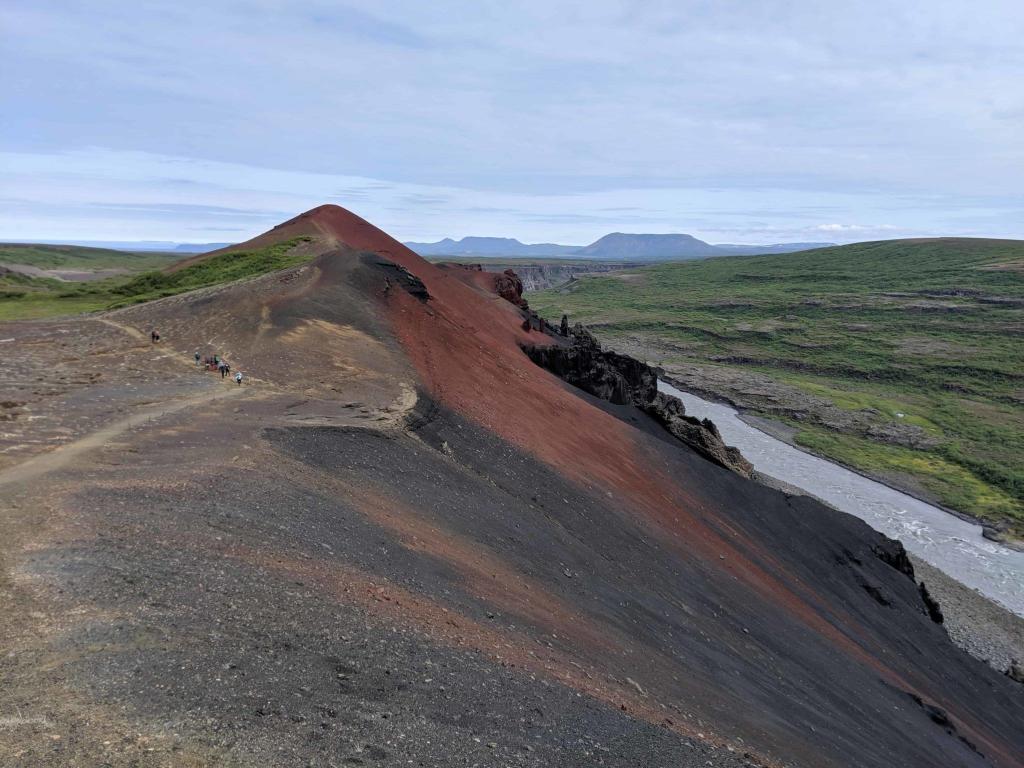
(857, 228)
(869, 102)
(107, 195)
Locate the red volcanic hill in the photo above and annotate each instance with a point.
(431, 548)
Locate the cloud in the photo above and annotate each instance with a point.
(856, 228)
(101, 194)
(699, 113)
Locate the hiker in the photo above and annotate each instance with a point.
(238, 378)
(154, 336)
(223, 368)
(197, 358)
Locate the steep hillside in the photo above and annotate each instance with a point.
(900, 358)
(401, 541)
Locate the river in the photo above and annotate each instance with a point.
(952, 545)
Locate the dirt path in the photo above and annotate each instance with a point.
(135, 333)
(60, 457)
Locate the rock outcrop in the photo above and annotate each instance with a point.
(510, 287)
(552, 274)
(396, 274)
(624, 380)
(700, 434)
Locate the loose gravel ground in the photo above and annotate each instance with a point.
(976, 624)
(984, 629)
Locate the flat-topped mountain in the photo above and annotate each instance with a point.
(428, 527)
(617, 246)
(489, 246)
(634, 247)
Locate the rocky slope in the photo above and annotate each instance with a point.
(537, 277)
(403, 541)
(624, 380)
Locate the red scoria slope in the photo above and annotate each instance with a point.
(465, 346)
(405, 541)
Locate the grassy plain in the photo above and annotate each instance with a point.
(925, 334)
(83, 258)
(23, 297)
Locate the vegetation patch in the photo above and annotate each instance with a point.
(928, 333)
(30, 298)
(80, 257)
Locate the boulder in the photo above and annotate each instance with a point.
(510, 287)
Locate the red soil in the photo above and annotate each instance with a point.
(466, 349)
(465, 346)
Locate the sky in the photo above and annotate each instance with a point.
(737, 121)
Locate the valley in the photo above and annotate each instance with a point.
(901, 359)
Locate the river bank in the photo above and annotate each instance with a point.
(947, 542)
(882, 436)
(753, 395)
(787, 434)
(982, 616)
(982, 627)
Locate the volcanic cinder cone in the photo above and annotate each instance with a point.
(408, 542)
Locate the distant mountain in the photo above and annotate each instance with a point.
(489, 246)
(617, 246)
(753, 250)
(637, 247)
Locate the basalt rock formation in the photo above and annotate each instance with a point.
(624, 380)
(510, 287)
(700, 434)
(402, 541)
(542, 275)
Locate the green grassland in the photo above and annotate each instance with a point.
(928, 332)
(83, 258)
(23, 297)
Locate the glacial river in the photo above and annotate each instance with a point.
(950, 544)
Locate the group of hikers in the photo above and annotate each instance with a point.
(218, 363)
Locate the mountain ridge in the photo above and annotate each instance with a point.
(613, 246)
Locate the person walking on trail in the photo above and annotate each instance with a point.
(197, 358)
(238, 378)
(223, 368)
(154, 336)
